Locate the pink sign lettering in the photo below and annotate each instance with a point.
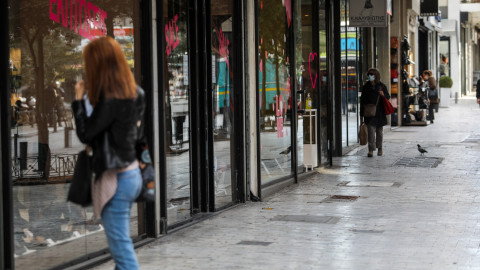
(288, 9)
(279, 105)
(86, 19)
(311, 58)
(171, 35)
(223, 46)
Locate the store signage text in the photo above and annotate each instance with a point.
(171, 35)
(368, 13)
(223, 46)
(80, 16)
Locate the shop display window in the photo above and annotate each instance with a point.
(177, 111)
(46, 42)
(275, 94)
(223, 93)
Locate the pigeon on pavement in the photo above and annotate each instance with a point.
(286, 151)
(421, 150)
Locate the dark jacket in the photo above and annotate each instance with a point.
(478, 88)
(112, 130)
(369, 96)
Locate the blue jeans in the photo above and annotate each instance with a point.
(116, 219)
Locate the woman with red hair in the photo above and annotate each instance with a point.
(112, 132)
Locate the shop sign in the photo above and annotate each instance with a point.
(171, 35)
(80, 16)
(428, 7)
(368, 13)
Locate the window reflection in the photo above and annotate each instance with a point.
(177, 116)
(275, 92)
(46, 42)
(324, 103)
(349, 48)
(223, 87)
(307, 79)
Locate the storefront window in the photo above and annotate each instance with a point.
(322, 77)
(222, 84)
(275, 97)
(349, 60)
(307, 79)
(444, 51)
(177, 115)
(46, 42)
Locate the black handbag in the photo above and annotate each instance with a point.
(148, 177)
(433, 94)
(148, 186)
(80, 191)
(370, 109)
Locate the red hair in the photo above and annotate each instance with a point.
(107, 71)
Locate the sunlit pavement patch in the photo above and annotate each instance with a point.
(307, 218)
(370, 184)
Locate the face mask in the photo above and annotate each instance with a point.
(426, 78)
(324, 79)
(371, 78)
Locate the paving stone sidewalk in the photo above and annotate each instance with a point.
(385, 216)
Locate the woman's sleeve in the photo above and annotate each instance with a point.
(387, 94)
(362, 100)
(101, 118)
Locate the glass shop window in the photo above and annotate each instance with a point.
(46, 42)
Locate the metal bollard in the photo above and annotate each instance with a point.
(456, 97)
(23, 155)
(68, 138)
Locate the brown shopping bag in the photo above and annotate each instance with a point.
(363, 134)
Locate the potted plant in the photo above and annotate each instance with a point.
(445, 84)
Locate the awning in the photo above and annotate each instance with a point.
(448, 26)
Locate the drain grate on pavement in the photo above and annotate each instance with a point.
(340, 198)
(418, 162)
(254, 243)
(307, 218)
(344, 197)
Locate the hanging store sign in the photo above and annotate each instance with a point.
(368, 13)
(428, 7)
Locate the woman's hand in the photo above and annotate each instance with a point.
(381, 93)
(79, 90)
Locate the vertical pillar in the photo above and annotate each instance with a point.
(6, 210)
(455, 52)
(251, 117)
(383, 51)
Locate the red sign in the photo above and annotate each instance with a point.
(82, 17)
(171, 35)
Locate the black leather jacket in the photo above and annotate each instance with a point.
(113, 130)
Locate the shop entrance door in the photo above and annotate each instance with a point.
(199, 111)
